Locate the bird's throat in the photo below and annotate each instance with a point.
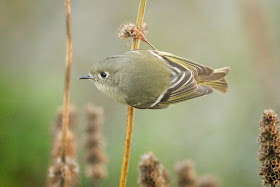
(111, 91)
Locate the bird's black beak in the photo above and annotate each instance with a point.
(86, 77)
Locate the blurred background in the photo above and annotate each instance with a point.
(217, 132)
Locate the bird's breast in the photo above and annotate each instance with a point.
(111, 91)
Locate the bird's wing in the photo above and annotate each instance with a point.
(183, 64)
(183, 85)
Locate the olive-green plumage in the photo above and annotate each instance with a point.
(154, 79)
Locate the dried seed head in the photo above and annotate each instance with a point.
(144, 28)
(151, 172)
(63, 173)
(94, 145)
(58, 146)
(64, 169)
(94, 118)
(208, 181)
(96, 172)
(129, 30)
(270, 117)
(186, 175)
(72, 119)
(269, 152)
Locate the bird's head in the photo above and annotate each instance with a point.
(105, 73)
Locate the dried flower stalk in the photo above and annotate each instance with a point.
(186, 174)
(66, 101)
(96, 157)
(269, 152)
(265, 55)
(64, 169)
(130, 112)
(151, 172)
(72, 119)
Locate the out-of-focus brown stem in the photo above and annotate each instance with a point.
(65, 118)
(264, 54)
(130, 112)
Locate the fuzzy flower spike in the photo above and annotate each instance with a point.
(152, 173)
(269, 152)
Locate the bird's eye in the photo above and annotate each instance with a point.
(103, 75)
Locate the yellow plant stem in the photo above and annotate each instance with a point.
(127, 146)
(66, 98)
(130, 112)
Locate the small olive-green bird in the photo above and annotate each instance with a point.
(147, 79)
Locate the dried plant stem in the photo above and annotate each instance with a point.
(130, 112)
(263, 50)
(65, 119)
(127, 146)
(139, 21)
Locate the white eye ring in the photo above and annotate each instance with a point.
(103, 75)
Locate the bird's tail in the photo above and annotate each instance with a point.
(216, 80)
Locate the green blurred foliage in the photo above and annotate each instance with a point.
(217, 132)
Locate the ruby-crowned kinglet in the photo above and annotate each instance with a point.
(154, 79)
